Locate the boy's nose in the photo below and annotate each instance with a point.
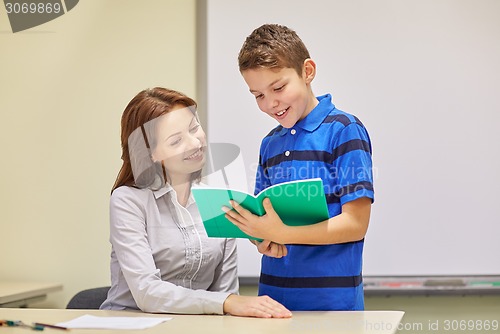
(274, 104)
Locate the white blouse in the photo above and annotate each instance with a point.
(165, 262)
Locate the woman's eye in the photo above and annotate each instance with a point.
(175, 142)
(195, 128)
(259, 96)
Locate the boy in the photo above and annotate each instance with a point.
(320, 266)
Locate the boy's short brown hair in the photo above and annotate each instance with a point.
(273, 46)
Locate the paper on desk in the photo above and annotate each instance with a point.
(94, 322)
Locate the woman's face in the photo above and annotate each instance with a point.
(181, 143)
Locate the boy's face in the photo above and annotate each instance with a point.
(282, 93)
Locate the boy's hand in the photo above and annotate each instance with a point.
(271, 249)
(267, 227)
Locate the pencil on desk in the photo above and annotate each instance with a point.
(49, 326)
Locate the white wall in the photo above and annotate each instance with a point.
(424, 77)
(63, 88)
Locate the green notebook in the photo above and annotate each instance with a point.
(297, 203)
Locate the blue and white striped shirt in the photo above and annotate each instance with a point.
(334, 146)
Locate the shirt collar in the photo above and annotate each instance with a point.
(162, 191)
(168, 188)
(314, 119)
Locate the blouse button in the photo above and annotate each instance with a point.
(293, 131)
(287, 153)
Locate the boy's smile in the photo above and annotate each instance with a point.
(282, 114)
(282, 93)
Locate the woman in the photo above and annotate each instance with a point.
(162, 260)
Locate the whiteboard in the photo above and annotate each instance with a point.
(424, 78)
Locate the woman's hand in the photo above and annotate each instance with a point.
(252, 306)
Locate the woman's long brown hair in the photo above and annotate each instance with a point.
(144, 107)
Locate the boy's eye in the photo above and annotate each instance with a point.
(259, 96)
(279, 88)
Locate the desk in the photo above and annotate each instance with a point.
(346, 322)
(20, 294)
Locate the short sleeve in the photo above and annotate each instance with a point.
(352, 164)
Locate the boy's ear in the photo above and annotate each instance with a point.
(309, 70)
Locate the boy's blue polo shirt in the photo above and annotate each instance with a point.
(335, 146)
